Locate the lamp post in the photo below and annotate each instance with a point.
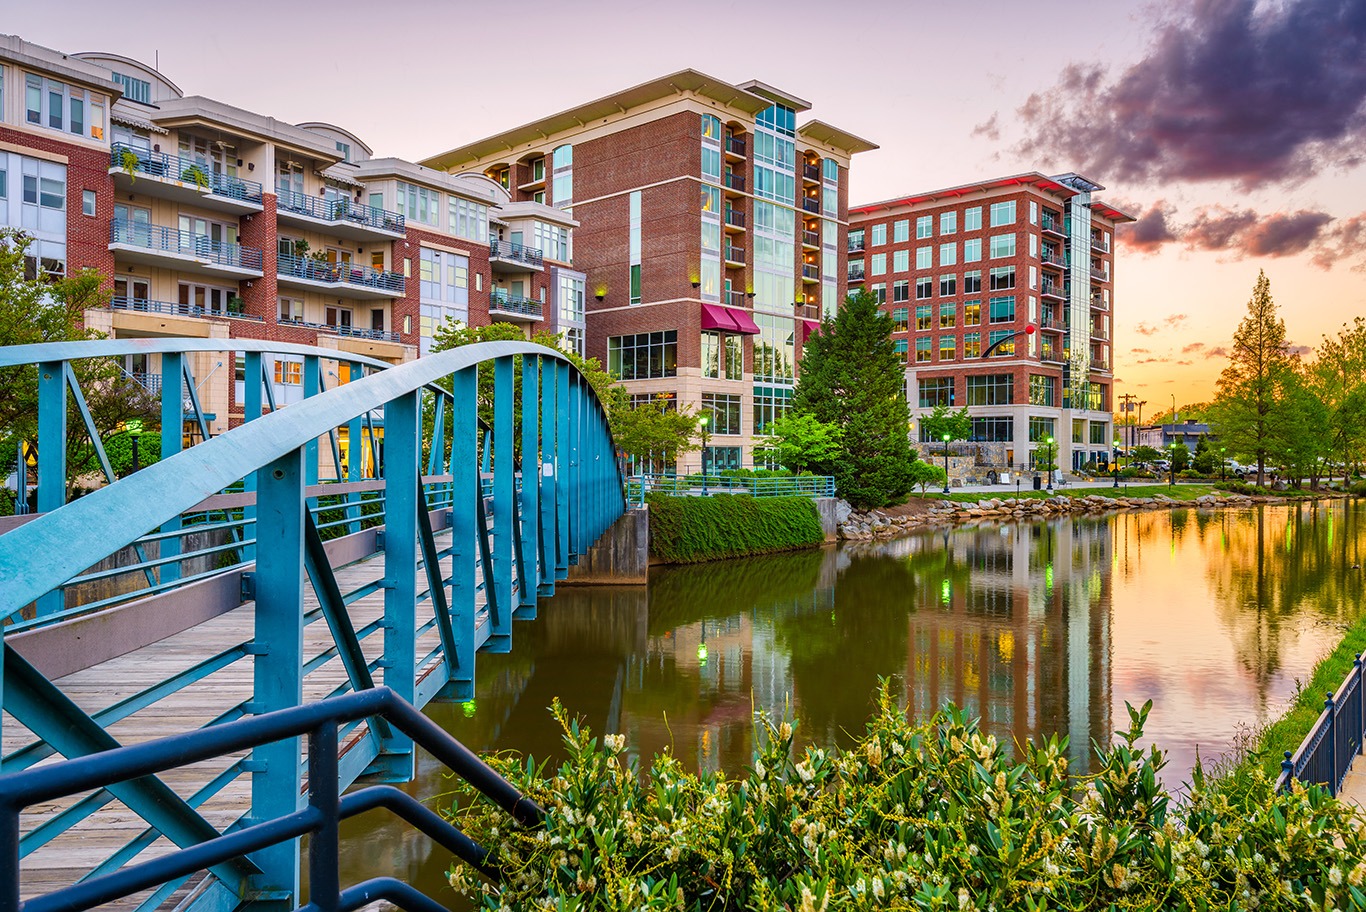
(1116, 467)
(702, 423)
(1048, 461)
(1223, 466)
(134, 428)
(946, 463)
(1171, 465)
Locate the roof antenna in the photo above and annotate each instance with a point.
(156, 59)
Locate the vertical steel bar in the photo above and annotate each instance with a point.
(252, 384)
(545, 527)
(402, 476)
(578, 477)
(355, 456)
(1330, 744)
(9, 858)
(312, 386)
(51, 456)
(466, 498)
(172, 441)
(531, 489)
(278, 648)
(324, 793)
(564, 478)
(504, 490)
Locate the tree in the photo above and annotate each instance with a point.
(1303, 436)
(652, 431)
(35, 310)
(798, 441)
(1338, 378)
(1205, 461)
(925, 474)
(1180, 456)
(942, 423)
(852, 378)
(1246, 409)
(1143, 453)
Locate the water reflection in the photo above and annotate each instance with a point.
(1038, 628)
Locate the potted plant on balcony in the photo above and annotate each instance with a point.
(195, 174)
(128, 160)
(299, 263)
(235, 305)
(321, 268)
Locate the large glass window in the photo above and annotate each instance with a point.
(711, 355)
(972, 345)
(725, 412)
(770, 404)
(879, 235)
(991, 389)
(901, 231)
(901, 319)
(946, 315)
(134, 89)
(936, 391)
(571, 299)
(418, 204)
(643, 356)
(1002, 213)
(562, 177)
(552, 241)
(901, 291)
(902, 349)
(948, 222)
(774, 349)
(1002, 309)
(1040, 429)
(972, 219)
(924, 226)
(633, 250)
(972, 281)
(878, 264)
(924, 346)
(948, 254)
(1002, 277)
(1007, 340)
(972, 313)
(1041, 389)
(972, 250)
(948, 348)
(924, 288)
(923, 317)
(468, 219)
(901, 261)
(924, 257)
(948, 286)
(1002, 245)
(993, 429)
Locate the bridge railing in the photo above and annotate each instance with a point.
(1338, 736)
(505, 505)
(637, 486)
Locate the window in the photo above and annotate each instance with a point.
(87, 202)
(947, 315)
(878, 265)
(924, 257)
(972, 345)
(340, 317)
(1033, 277)
(901, 261)
(445, 278)
(139, 90)
(972, 313)
(711, 355)
(711, 127)
(634, 246)
(855, 270)
(571, 298)
(972, 250)
(991, 389)
(948, 254)
(924, 226)
(993, 429)
(1078, 430)
(855, 239)
(1098, 435)
(735, 357)
(468, 219)
(948, 222)
(1007, 339)
(948, 286)
(901, 291)
(901, 231)
(551, 240)
(725, 411)
(290, 373)
(418, 204)
(972, 219)
(1002, 309)
(902, 348)
(562, 176)
(1002, 214)
(1002, 277)
(291, 310)
(830, 169)
(901, 319)
(643, 356)
(58, 106)
(1002, 245)
(879, 292)
(936, 391)
(344, 149)
(924, 347)
(924, 288)
(770, 404)
(924, 319)
(948, 348)
(1040, 429)
(45, 259)
(1041, 390)
(879, 235)
(711, 163)
(972, 281)
(1033, 244)
(1033, 212)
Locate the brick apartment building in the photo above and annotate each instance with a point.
(212, 221)
(962, 268)
(712, 239)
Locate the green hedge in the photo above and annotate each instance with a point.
(685, 530)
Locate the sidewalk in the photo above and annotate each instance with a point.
(1354, 786)
(1027, 484)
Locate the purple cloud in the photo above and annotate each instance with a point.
(1243, 233)
(1217, 352)
(1234, 90)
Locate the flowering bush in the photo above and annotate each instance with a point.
(915, 816)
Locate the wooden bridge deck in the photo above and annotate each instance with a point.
(71, 855)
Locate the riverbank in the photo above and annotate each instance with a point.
(686, 530)
(956, 509)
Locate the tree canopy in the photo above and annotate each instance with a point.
(798, 441)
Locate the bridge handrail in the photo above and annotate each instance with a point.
(1336, 738)
(76, 536)
(44, 352)
(320, 722)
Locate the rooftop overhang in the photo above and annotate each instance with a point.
(775, 95)
(1105, 210)
(312, 125)
(822, 132)
(1035, 179)
(195, 110)
(616, 104)
(473, 186)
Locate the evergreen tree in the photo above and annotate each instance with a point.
(1247, 408)
(852, 378)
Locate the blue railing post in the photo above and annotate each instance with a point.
(51, 455)
(9, 855)
(466, 490)
(312, 386)
(1361, 703)
(172, 430)
(278, 647)
(1330, 741)
(545, 472)
(402, 471)
(576, 463)
(324, 793)
(562, 464)
(355, 456)
(529, 587)
(504, 482)
(251, 410)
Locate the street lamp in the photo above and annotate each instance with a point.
(946, 463)
(134, 428)
(702, 423)
(1048, 462)
(1171, 465)
(1116, 467)
(1223, 466)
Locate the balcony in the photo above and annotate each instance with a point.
(1052, 225)
(856, 244)
(1052, 258)
(811, 238)
(735, 256)
(341, 217)
(1099, 275)
(508, 257)
(1098, 244)
(350, 332)
(811, 204)
(1052, 324)
(157, 245)
(735, 182)
(513, 307)
(735, 219)
(1100, 364)
(183, 180)
(1052, 355)
(856, 273)
(811, 173)
(1098, 303)
(1052, 290)
(811, 272)
(349, 280)
(735, 298)
(173, 309)
(735, 147)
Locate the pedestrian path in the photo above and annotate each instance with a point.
(1354, 786)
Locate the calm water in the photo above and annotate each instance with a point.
(1037, 628)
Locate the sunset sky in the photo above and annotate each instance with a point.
(1234, 129)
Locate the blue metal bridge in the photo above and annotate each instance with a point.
(199, 659)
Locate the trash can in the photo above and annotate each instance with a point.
(1038, 483)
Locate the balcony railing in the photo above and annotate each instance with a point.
(1098, 245)
(505, 250)
(142, 305)
(339, 210)
(735, 217)
(1099, 275)
(150, 381)
(337, 329)
(735, 298)
(1052, 355)
(332, 273)
(736, 182)
(811, 271)
(1053, 259)
(1049, 223)
(1098, 303)
(1053, 324)
(735, 146)
(811, 204)
(187, 170)
(200, 246)
(1048, 288)
(857, 245)
(856, 274)
(735, 254)
(811, 238)
(811, 173)
(505, 302)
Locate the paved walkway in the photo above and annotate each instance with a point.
(1354, 786)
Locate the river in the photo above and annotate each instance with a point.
(1037, 628)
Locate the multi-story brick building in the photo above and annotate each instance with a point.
(964, 268)
(211, 221)
(713, 236)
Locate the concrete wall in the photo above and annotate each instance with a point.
(620, 557)
(833, 511)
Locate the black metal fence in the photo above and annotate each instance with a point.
(1326, 754)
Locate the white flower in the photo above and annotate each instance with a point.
(614, 743)
(1335, 876)
(805, 771)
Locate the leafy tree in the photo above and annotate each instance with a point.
(1338, 378)
(798, 441)
(1303, 438)
(35, 310)
(852, 378)
(1180, 456)
(1143, 453)
(119, 449)
(653, 431)
(1247, 409)
(925, 474)
(1205, 461)
(942, 423)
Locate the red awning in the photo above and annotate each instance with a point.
(808, 327)
(714, 316)
(744, 323)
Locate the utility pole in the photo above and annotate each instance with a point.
(1129, 414)
(1141, 403)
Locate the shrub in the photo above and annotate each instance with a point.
(929, 816)
(1238, 487)
(119, 449)
(1358, 488)
(684, 530)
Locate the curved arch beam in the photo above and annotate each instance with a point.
(18, 355)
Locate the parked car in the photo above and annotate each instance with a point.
(1163, 465)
